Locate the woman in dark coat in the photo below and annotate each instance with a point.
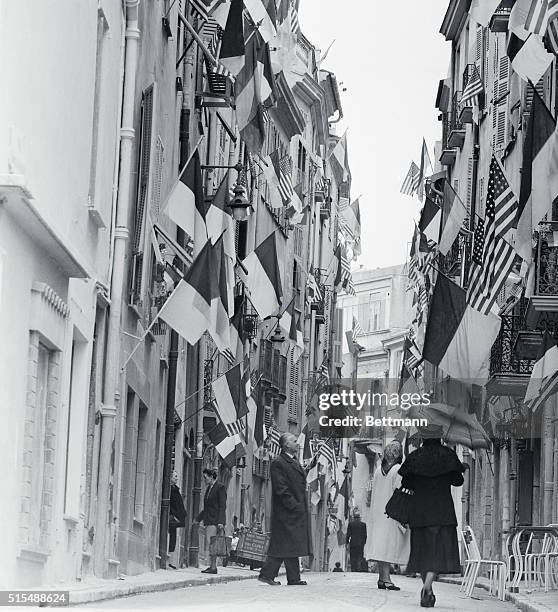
(177, 513)
(290, 521)
(430, 472)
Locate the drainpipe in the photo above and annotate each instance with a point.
(112, 371)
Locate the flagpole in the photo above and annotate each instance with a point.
(182, 171)
(196, 37)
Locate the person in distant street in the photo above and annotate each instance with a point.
(337, 567)
(177, 513)
(356, 539)
(290, 520)
(213, 513)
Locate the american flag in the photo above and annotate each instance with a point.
(346, 278)
(493, 258)
(272, 441)
(473, 88)
(357, 328)
(326, 457)
(283, 167)
(200, 8)
(411, 354)
(313, 294)
(411, 182)
(293, 16)
(324, 371)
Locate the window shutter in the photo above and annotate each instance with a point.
(292, 402)
(157, 179)
(144, 165)
(469, 185)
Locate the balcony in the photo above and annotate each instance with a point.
(273, 370)
(450, 264)
(501, 17)
(545, 298)
(447, 158)
(509, 373)
(456, 136)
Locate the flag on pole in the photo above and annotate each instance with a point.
(313, 481)
(230, 448)
(539, 15)
(264, 278)
(529, 58)
(222, 305)
(263, 14)
(283, 170)
(538, 186)
(273, 437)
(454, 215)
(327, 459)
(472, 91)
(230, 399)
(187, 310)
(344, 278)
(482, 10)
(233, 50)
(411, 181)
(459, 338)
(544, 377)
(357, 328)
(185, 205)
(430, 219)
(218, 218)
(338, 159)
(425, 166)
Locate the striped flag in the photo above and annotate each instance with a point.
(264, 16)
(230, 448)
(425, 166)
(344, 278)
(293, 17)
(544, 377)
(551, 37)
(411, 354)
(323, 372)
(473, 89)
(313, 291)
(200, 8)
(326, 458)
(539, 15)
(283, 169)
(230, 399)
(493, 257)
(357, 328)
(411, 182)
(272, 441)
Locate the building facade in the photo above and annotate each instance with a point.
(105, 400)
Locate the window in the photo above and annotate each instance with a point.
(370, 312)
(141, 464)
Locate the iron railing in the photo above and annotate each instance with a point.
(503, 358)
(547, 261)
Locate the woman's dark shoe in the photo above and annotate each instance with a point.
(387, 585)
(427, 599)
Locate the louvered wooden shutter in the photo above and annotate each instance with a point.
(469, 185)
(292, 402)
(144, 165)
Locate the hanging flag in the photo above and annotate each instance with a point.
(430, 219)
(518, 17)
(235, 353)
(313, 291)
(290, 322)
(273, 437)
(248, 88)
(529, 58)
(230, 448)
(264, 278)
(535, 196)
(222, 305)
(232, 53)
(544, 377)
(304, 444)
(219, 10)
(357, 329)
(471, 93)
(482, 10)
(285, 319)
(411, 354)
(283, 170)
(344, 277)
(351, 216)
(411, 182)
(218, 218)
(264, 16)
(540, 13)
(407, 382)
(459, 338)
(551, 37)
(453, 218)
(230, 399)
(187, 310)
(326, 458)
(185, 205)
(313, 481)
(338, 159)
(425, 167)
(199, 8)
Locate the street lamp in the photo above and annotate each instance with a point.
(239, 205)
(277, 337)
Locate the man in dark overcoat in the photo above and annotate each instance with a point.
(290, 519)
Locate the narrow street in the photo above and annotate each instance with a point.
(324, 592)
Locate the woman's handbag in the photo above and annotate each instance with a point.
(399, 505)
(218, 544)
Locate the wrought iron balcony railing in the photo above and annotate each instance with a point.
(547, 261)
(503, 358)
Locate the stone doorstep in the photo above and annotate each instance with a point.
(523, 601)
(150, 583)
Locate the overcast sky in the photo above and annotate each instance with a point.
(390, 57)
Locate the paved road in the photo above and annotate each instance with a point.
(324, 593)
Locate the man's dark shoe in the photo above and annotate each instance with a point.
(269, 581)
(172, 566)
(209, 571)
(298, 583)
